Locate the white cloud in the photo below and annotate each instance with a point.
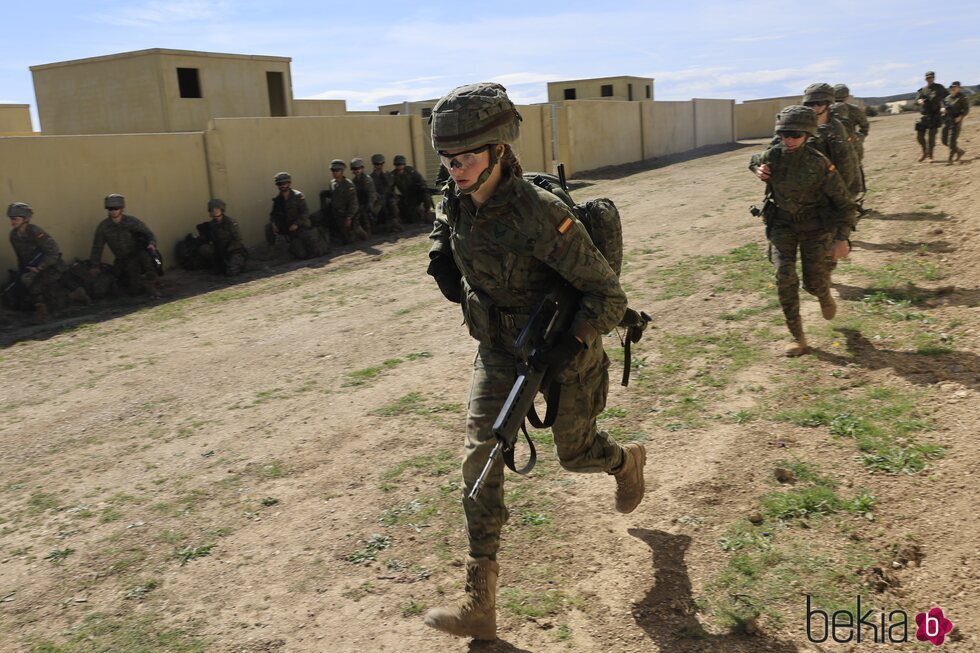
(162, 12)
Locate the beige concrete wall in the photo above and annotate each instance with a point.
(755, 119)
(65, 178)
(245, 153)
(533, 148)
(591, 89)
(138, 92)
(105, 96)
(668, 128)
(598, 134)
(714, 122)
(15, 119)
(320, 108)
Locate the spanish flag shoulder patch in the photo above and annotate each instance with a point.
(565, 225)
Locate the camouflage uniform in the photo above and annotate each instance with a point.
(932, 95)
(27, 243)
(811, 208)
(511, 254)
(127, 240)
(289, 211)
(384, 184)
(414, 200)
(957, 106)
(225, 250)
(368, 201)
(344, 211)
(856, 124)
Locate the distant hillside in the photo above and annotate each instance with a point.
(875, 101)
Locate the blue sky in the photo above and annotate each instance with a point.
(380, 52)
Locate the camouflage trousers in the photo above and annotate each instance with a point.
(927, 124)
(304, 243)
(579, 445)
(222, 260)
(951, 134)
(814, 247)
(135, 270)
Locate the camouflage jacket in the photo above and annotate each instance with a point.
(226, 233)
(367, 196)
(933, 94)
(956, 105)
(289, 210)
(515, 249)
(123, 238)
(805, 186)
(833, 141)
(409, 182)
(27, 244)
(343, 199)
(384, 183)
(852, 117)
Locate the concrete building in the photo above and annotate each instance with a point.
(602, 88)
(159, 90)
(15, 119)
(422, 108)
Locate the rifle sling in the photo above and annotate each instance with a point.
(553, 396)
(532, 458)
(627, 357)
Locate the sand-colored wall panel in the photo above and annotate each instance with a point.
(308, 108)
(533, 148)
(65, 178)
(714, 122)
(755, 119)
(668, 128)
(245, 153)
(15, 118)
(601, 134)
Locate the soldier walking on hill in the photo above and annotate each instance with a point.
(930, 100)
(807, 209)
(502, 246)
(131, 242)
(832, 138)
(852, 117)
(955, 108)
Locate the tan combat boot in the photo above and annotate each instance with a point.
(799, 346)
(475, 615)
(629, 478)
(828, 307)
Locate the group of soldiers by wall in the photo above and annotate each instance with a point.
(943, 107)
(351, 209)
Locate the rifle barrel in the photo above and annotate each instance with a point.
(482, 478)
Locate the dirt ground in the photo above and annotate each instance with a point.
(272, 465)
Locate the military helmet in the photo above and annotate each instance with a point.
(797, 118)
(841, 91)
(337, 164)
(377, 158)
(356, 163)
(819, 92)
(281, 177)
(474, 115)
(20, 210)
(115, 201)
(399, 160)
(215, 203)
(930, 73)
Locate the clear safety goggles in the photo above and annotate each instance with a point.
(466, 159)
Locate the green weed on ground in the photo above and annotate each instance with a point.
(99, 633)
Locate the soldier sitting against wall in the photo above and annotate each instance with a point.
(38, 260)
(223, 250)
(415, 202)
(368, 201)
(384, 183)
(344, 208)
(290, 218)
(133, 245)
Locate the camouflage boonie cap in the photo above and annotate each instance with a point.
(337, 164)
(215, 203)
(819, 92)
(474, 115)
(399, 160)
(19, 210)
(115, 201)
(377, 158)
(841, 91)
(797, 118)
(281, 177)
(356, 163)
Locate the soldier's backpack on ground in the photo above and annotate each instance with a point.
(101, 286)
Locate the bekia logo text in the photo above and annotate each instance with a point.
(872, 625)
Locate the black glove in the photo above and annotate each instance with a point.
(558, 356)
(443, 268)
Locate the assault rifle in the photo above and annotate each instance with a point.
(552, 318)
(37, 257)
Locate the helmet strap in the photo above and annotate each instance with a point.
(485, 175)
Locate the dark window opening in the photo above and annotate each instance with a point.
(394, 113)
(629, 91)
(189, 82)
(648, 91)
(426, 113)
(569, 93)
(277, 94)
(606, 90)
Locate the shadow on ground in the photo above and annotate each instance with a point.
(932, 247)
(627, 169)
(177, 284)
(914, 216)
(667, 613)
(961, 367)
(915, 295)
